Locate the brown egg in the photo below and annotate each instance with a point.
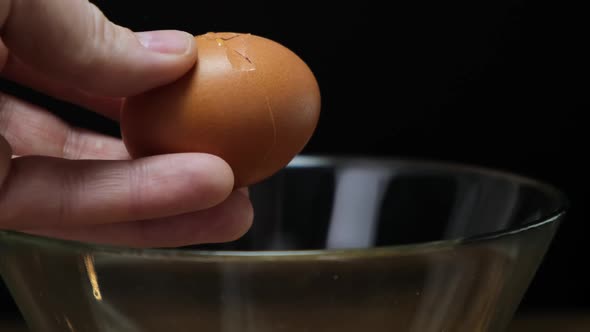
(249, 100)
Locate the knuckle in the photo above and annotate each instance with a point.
(71, 184)
(138, 176)
(73, 145)
(69, 145)
(95, 53)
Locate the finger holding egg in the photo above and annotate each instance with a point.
(249, 100)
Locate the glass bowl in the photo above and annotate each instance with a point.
(338, 244)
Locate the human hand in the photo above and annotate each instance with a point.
(66, 182)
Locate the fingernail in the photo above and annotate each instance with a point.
(165, 41)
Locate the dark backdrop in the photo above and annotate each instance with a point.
(494, 83)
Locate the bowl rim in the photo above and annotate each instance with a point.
(308, 161)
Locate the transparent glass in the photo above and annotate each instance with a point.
(337, 245)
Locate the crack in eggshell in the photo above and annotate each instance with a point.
(236, 52)
(225, 36)
(244, 56)
(249, 100)
(274, 129)
(236, 49)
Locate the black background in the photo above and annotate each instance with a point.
(494, 83)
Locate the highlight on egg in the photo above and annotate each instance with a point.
(249, 100)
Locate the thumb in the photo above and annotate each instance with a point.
(84, 49)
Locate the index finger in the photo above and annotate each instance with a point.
(44, 192)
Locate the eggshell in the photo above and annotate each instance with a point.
(249, 100)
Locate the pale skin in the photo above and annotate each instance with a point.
(70, 183)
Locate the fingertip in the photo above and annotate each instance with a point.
(173, 42)
(226, 222)
(170, 55)
(237, 225)
(173, 184)
(224, 172)
(210, 175)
